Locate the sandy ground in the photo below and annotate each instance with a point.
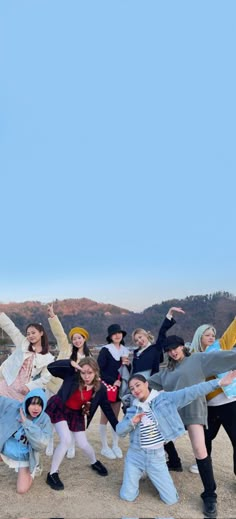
(89, 496)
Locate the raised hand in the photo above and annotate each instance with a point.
(75, 365)
(50, 310)
(86, 408)
(137, 418)
(177, 309)
(228, 378)
(22, 415)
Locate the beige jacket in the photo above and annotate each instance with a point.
(64, 350)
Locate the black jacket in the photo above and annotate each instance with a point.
(153, 355)
(109, 367)
(63, 369)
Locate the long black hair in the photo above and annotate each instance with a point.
(86, 351)
(138, 376)
(44, 337)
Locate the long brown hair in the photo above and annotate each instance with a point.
(92, 363)
(172, 363)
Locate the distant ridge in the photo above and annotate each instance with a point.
(69, 306)
(218, 308)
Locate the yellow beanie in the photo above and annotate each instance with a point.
(81, 331)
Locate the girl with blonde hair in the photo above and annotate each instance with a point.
(221, 409)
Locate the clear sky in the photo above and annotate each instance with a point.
(117, 137)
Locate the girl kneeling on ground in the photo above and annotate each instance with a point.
(152, 420)
(25, 430)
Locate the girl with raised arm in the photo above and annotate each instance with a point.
(146, 361)
(152, 420)
(75, 348)
(26, 367)
(80, 394)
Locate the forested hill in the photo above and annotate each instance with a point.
(218, 308)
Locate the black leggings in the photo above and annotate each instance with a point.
(222, 415)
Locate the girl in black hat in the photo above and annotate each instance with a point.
(110, 359)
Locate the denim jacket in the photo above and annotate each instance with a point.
(165, 410)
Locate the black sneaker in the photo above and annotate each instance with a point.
(210, 508)
(175, 467)
(100, 469)
(54, 481)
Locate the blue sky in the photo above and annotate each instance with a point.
(117, 146)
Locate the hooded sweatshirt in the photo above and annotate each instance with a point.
(23, 441)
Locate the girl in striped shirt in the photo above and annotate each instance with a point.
(151, 420)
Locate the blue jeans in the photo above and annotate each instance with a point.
(153, 462)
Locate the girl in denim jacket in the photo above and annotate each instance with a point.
(152, 420)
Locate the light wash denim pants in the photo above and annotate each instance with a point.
(153, 462)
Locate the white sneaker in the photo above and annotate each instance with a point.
(71, 452)
(117, 451)
(194, 469)
(38, 469)
(49, 449)
(108, 453)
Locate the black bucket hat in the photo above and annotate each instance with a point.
(172, 342)
(114, 328)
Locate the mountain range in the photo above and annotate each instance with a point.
(218, 309)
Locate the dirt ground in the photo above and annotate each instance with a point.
(89, 496)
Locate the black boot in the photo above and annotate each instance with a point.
(209, 495)
(174, 462)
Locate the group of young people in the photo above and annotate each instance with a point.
(41, 395)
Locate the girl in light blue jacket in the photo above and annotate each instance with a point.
(152, 420)
(25, 429)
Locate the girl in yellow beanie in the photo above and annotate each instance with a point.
(75, 347)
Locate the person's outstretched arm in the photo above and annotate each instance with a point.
(183, 397)
(61, 368)
(59, 333)
(168, 322)
(216, 362)
(14, 333)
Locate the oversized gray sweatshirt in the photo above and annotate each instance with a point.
(192, 370)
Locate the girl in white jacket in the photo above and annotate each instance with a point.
(26, 368)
